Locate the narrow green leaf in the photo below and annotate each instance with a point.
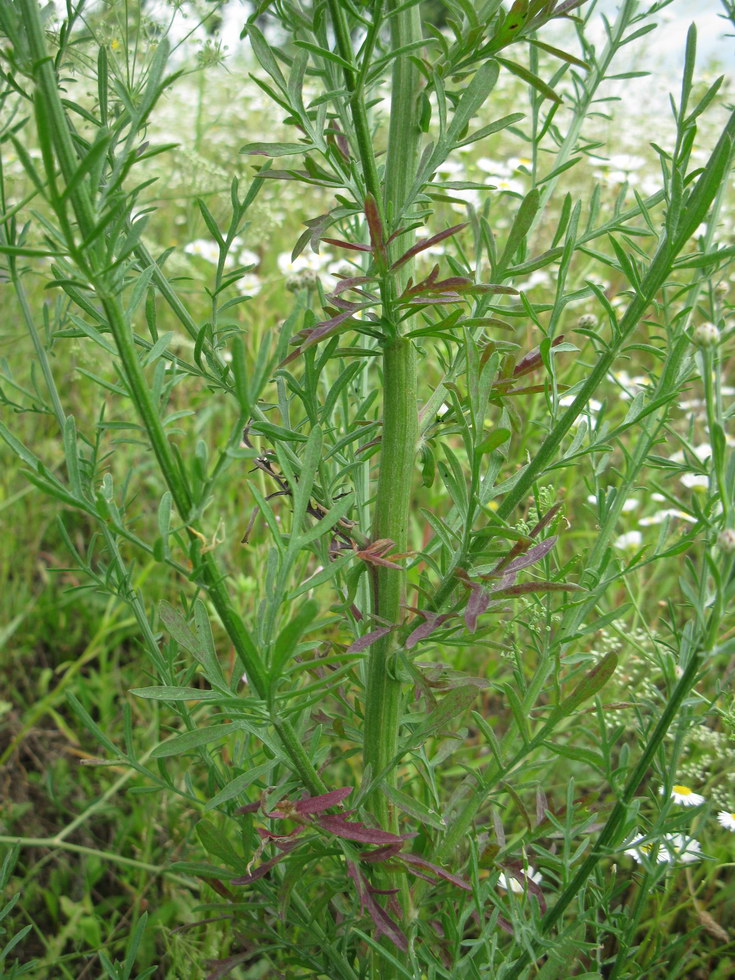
(290, 635)
(237, 785)
(522, 222)
(473, 97)
(164, 521)
(71, 454)
(590, 684)
(340, 510)
(413, 808)
(158, 348)
(558, 53)
(264, 54)
(453, 704)
(277, 149)
(210, 223)
(528, 76)
(188, 741)
(208, 657)
(325, 53)
(94, 155)
(497, 438)
(171, 693)
(216, 844)
(520, 715)
(309, 465)
(81, 712)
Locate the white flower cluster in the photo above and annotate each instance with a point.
(674, 848)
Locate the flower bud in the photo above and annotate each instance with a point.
(588, 321)
(706, 335)
(726, 540)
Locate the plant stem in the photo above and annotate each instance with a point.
(400, 428)
(400, 423)
(121, 330)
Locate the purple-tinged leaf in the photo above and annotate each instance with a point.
(425, 243)
(476, 605)
(349, 282)
(435, 300)
(264, 868)
(381, 853)
(363, 642)
(505, 581)
(384, 925)
(453, 282)
(545, 520)
(360, 883)
(318, 333)
(354, 246)
(354, 830)
(529, 362)
(437, 869)
(316, 804)
(590, 683)
(271, 835)
(248, 808)
(342, 143)
(567, 7)
(432, 621)
(375, 225)
(533, 555)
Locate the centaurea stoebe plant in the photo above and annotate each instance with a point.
(414, 446)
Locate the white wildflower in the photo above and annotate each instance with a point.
(685, 795)
(511, 883)
(628, 541)
(660, 516)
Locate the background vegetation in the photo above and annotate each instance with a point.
(122, 868)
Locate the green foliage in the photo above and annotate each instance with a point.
(472, 646)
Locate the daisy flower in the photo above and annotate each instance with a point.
(628, 541)
(203, 249)
(685, 796)
(695, 481)
(660, 516)
(681, 848)
(726, 820)
(670, 849)
(512, 884)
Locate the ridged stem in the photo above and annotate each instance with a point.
(392, 509)
(400, 422)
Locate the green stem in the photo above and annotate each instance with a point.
(400, 423)
(400, 429)
(121, 330)
(404, 134)
(56, 842)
